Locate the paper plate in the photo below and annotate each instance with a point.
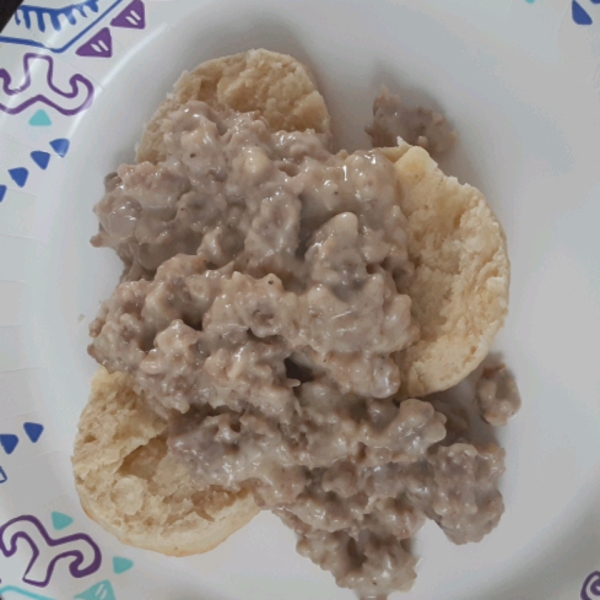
(520, 81)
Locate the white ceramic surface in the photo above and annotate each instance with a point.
(520, 81)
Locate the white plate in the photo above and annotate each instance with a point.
(520, 81)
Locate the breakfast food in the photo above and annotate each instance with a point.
(497, 393)
(283, 312)
(460, 285)
(279, 87)
(176, 526)
(394, 119)
(129, 483)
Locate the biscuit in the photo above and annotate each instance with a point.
(126, 479)
(460, 286)
(279, 87)
(129, 484)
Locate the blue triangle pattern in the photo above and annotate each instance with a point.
(60, 520)
(33, 431)
(41, 159)
(120, 565)
(9, 442)
(19, 175)
(60, 146)
(100, 591)
(2, 192)
(580, 16)
(3, 476)
(40, 119)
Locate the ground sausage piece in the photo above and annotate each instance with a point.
(328, 227)
(259, 311)
(192, 335)
(498, 395)
(458, 488)
(417, 126)
(230, 190)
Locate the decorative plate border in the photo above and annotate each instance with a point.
(78, 32)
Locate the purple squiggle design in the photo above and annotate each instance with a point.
(76, 82)
(591, 587)
(39, 575)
